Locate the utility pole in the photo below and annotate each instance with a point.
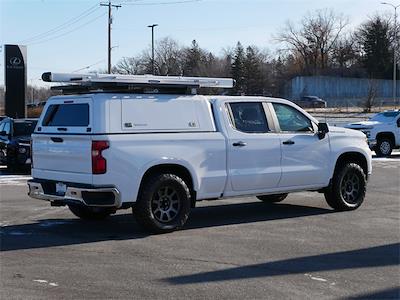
(152, 47)
(395, 43)
(110, 6)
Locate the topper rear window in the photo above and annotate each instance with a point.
(74, 115)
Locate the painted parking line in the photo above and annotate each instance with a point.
(386, 159)
(14, 179)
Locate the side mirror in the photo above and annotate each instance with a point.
(323, 129)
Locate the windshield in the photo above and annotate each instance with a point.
(385, 115)
(24, 128)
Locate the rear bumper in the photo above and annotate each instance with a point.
(88, 195)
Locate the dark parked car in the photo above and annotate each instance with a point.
(15, 137)
(311, 102)
(31, 105)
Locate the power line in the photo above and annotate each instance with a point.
(89, 66)
(161, 3)
(68, 32)
(64, 25)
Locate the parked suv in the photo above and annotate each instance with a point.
(148, 143)
(382, 131)
(15, 136)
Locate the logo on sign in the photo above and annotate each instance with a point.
(15, 61)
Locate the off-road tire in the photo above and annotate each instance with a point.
(148, 211)
(384, 147)
(91, 213)
(347, 192)
(272, 198)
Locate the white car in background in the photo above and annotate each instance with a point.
(382, 131)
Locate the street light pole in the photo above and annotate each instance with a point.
(395, 43)
(152, 47)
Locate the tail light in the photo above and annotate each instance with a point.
(99, 163)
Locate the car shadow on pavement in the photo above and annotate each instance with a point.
(391, 293)
(379, 256)
(61, 232)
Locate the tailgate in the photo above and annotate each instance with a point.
(62, 141)
(65, 153)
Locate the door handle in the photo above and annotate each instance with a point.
(289, 142)
(239, 144)
(57, 139)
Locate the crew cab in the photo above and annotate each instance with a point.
(158, 148)
(382, 131)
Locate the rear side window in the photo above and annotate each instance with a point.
(74, 115)
(249, 117)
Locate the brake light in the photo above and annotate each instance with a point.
(99, 163)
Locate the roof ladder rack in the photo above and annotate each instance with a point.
(117, 82)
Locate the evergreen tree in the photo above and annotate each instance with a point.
(237, 68)
(192, 60)
(253, 77)
(374, 38)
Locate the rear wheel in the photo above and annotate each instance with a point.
(272, 198)
(348, 188)
(91, 213)
(384, 147)
(163, 204)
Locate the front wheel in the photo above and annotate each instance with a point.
(348, 188)
(163, 204)
(384, 147)
(90, 213)
(272, 198)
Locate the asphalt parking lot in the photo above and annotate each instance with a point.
(230, 249)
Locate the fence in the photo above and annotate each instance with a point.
(341, 91)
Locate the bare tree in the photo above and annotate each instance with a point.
(314, 41)
(345, 52)
(369, 103)
(129, 65)
(168, 58)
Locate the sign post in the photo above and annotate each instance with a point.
(15, 80)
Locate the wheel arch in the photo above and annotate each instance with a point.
(387, 134)
(172, 168)
(354, 157)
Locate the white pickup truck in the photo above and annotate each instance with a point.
(115, 145)
(382, 131)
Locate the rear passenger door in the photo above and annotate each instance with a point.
(305, 158)
(254, 151)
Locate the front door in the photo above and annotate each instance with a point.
(254, 151)
(305, 158)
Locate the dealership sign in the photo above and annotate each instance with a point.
(15, 80)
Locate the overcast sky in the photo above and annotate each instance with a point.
(68, 35)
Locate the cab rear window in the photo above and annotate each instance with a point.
(74, 115)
